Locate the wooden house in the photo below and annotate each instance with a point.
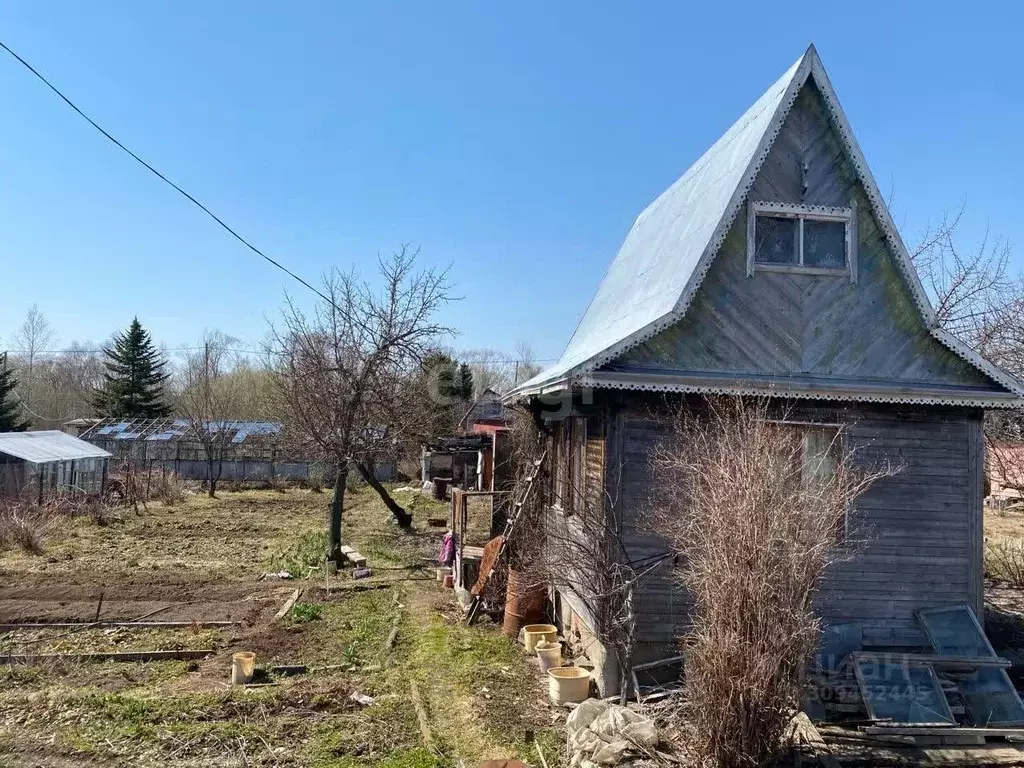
(773, 267)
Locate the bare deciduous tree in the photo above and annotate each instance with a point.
(754, 510)
(209, 394)
(500, 371)
(349, 373)
(980, 300)
(34, 336)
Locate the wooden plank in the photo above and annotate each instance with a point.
(975, 513)
(421, 716)
(938, 730)
(804, 729)
(129, 656)
(936, 660)
(288, 605)
(353, 556)
(126, 624)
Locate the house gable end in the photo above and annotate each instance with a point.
(831, 329)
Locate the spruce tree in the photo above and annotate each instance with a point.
(465, 385)
(9, 411)
(134, 378)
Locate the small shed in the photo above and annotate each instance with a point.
(50, 461)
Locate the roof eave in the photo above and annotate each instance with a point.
(915, 394)
(541, 388)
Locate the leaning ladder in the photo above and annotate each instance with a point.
(513, 518)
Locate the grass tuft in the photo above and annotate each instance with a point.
(305, 555)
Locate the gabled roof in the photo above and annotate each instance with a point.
(673, 242)
(48, 445)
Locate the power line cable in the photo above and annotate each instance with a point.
(195, 202)
(160, 176)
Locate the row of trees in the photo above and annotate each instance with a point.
(133, 378)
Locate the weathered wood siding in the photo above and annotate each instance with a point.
(812, 326)
(914, 539)
(662, 607)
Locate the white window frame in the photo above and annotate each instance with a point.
(801, 213)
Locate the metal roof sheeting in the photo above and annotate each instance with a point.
(171, 430)
(47, 446)
(661, 252)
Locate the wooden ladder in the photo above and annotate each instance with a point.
(510, 523)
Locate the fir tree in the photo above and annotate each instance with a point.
(9, 416)
(465, 385)
(134, 378)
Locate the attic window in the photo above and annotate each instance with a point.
(801, 238)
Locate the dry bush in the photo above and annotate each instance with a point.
(73, 505)
(755, 517)
(167, 488)
(1004, 561)
(25, 525)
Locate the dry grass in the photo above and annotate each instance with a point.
(1004, 561)
(178, 714)
(25, 526)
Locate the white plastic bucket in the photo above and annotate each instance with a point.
(243, 667)
(549, 655)
(568, 684)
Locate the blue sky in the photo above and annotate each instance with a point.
(515, 141)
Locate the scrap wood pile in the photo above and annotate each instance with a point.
(954, 691)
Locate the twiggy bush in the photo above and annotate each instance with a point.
(1004, 561)
(168, 489)
(754, 509)
(25, 525)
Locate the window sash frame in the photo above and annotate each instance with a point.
(801, 213)
(840, 445)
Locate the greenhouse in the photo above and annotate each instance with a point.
(37, 464)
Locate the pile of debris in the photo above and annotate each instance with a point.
(602, 733)
(956, 691)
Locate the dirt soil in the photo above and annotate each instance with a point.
(206, 560)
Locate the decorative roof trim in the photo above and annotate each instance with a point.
(674, 383)
(991, 370)
(798, 209)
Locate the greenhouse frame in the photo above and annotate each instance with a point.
(38, 464)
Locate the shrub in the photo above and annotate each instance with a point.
(25, 526)
(315, 481)
(168, 489)
(754, 511)
(1004, 561)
